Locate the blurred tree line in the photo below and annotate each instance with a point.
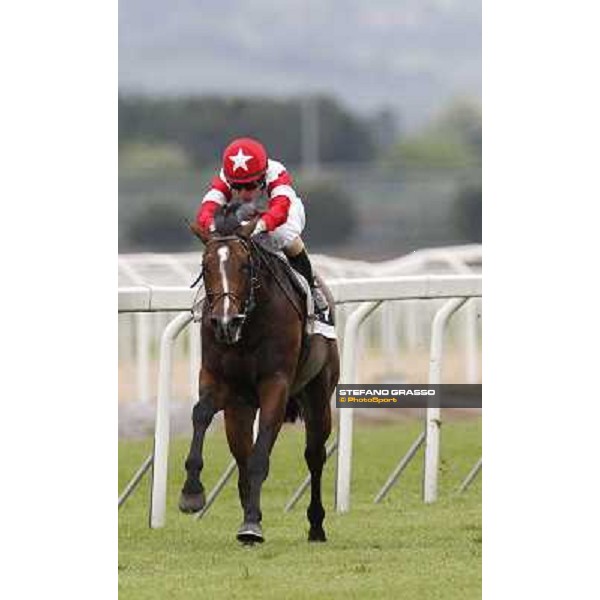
(453, 140)
(169, 147)
(202, 126)
(170, 134)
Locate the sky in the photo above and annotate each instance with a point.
(411, 56)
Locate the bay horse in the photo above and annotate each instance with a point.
(255, 354)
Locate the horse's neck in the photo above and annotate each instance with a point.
(268, 288)
(278, 291)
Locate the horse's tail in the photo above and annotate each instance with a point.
(292, 410)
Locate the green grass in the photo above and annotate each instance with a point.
(400, 548)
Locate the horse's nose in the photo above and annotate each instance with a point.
(217, 325)
(234, 328)
(237, 321)
(228, 329)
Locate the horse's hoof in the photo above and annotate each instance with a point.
(191, 503)
(250, 533)
(317, 535)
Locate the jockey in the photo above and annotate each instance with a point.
(247, 172)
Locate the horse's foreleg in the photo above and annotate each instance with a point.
(273, 395)
(239, 418)
(192, 498)
(318, 427)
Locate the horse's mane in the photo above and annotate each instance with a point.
(231, 215)
(226, 218)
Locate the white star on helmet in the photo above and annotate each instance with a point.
(240, 160)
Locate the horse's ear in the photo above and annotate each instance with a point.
(247, 227)
(200, 233)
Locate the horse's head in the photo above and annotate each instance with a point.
(229, 274)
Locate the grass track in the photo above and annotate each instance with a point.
(400, 548)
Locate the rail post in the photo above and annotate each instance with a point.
(158, 499)
(433, 414)
(344, 457)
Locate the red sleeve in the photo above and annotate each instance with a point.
(218, 184)
(283, 178)
(205, 214)
(211, 201)
(277, 214)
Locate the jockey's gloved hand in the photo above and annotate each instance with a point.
(260, 228)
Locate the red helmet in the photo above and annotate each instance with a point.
(244, 161)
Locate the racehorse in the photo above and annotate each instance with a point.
(255, 354)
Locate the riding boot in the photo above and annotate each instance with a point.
(301, 263)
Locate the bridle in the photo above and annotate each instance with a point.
(249, 303)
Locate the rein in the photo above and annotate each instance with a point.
(197, 280)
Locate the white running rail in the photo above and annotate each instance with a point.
(373, 291)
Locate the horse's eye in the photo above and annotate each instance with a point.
(245, 268)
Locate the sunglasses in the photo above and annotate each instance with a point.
(247, 186)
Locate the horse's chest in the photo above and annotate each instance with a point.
(236, 367)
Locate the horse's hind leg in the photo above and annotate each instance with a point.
(192, 498)
(317, 415)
